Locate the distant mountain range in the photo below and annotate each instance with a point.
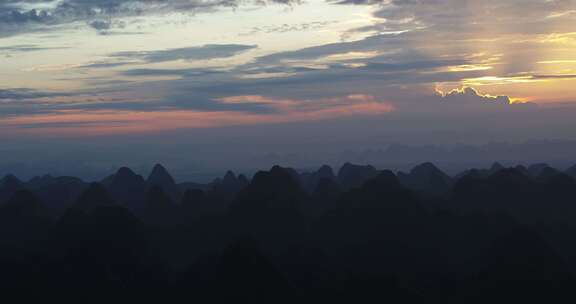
(423, 234)
(130, 189)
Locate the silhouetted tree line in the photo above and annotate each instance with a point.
(485, 234)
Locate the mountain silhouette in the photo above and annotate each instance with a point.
(510, 176)
(311, 180)
(327, 188)
(353, 176)
(326, 172)
(161, 178)
(522, 266)
(93, 197)
(230, 185)
(269, 189)
(427, 178)
(22, 204)
(159, 208)
(495, 168)
(535, 170)
(57, 193)
(40, 181)
(193, 197)
(9, 184)
(246, 271)
(521, 169)
(424, 235)
(572, 171)
(547, 174)
(270, 206)
(128, 188)
(322, 197)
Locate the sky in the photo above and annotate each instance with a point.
(214, 83)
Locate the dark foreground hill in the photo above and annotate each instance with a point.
(361, 233)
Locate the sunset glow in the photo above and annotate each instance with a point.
(83, 68)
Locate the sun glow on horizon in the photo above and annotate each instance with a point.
(272, 63)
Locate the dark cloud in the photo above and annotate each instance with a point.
(416, 58)
(321, 50)
(68, 125)
(286, 28)
(468, 97)
(102, 65)
(359, 2)
(205, 52)
(101, 25)
(17, 16)
(24, 93)
(554, 76)
(30, 15)
(170, 72)
(399, 43)
(26, 48)
(416, 64)
(111, 27)
(462, 16)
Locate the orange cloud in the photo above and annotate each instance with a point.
(104, 122)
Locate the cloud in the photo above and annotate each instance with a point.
(428, 42)
(360, 2)
(286, 28)
(467, 96)
(204, 52)
(105, 65)
(359, 103)
(324, 50)
(170, 72)
(554, 76)
(17, 16)
(106, 122)
(101, 25)
(26, 48)
(24, 94)
(529, 16)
